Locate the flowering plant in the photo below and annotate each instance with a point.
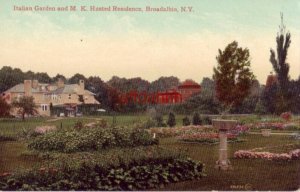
(239, 129)
(252, 154)
(279, 126)
(44, 129)
(286, 116)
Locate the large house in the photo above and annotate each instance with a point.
(68, 96)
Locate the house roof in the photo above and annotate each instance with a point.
(42, 88)
(19, 88)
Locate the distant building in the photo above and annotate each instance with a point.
(68, 96)
(188, 88)
(271, 79)
(175, 95)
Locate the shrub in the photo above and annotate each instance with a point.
(7, 138)
(206, 120)
(171, 120)
(196, 119)
(149, 123)
(91, 139)
(159, 120)
(148, 171)
(186, 121)
(286, 116)
(78, 125)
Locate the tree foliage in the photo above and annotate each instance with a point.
(4, 108)
(25, 105)
(233, 76)
(171, 120)
(196, 119)
(281, 67)
(75, 78)
(164, 83)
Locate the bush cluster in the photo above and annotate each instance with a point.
(7, 138)
(136, 169)
(91, 139)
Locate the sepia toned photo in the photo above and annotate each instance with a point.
(150, 95)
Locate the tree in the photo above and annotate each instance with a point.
(75, 78)
(43, 77)
(171, 120)
(59, 76)
(269, 98)
(164, 83)
(4, 108)
(196, 119)
(280, 66)
(10, 77)
(186, 121)
(25, 105)
(233, 76)
(97, 86)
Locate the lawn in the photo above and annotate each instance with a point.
(247, 174)
(257, 174)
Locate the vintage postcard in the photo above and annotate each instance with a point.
(155, 95)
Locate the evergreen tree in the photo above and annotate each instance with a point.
(171, 120)
(196, 119)
(281, 67)
(186, 121)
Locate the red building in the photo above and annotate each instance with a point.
(188, 88)
(172, 96)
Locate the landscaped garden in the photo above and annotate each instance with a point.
(123, 153)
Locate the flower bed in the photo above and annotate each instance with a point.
(176, 131)
(276, 126)
(207, 138)
(134, 169)
(254, 154)
(240, 130)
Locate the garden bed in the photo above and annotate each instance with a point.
(116, 169)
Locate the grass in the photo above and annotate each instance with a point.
(247, 174)
(254, 174)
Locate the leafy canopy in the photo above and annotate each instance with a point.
(25, 105)
(232, 75)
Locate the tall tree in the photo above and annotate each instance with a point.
(233, 76)
(25, 105)
(280, 66)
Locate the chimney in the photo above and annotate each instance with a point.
(81, 85)
(60, 83)
(35, 84)
(27, 87)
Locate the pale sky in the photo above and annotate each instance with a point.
(143, 44)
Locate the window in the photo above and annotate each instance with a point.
(69, 96)
(54, 97)
(44, 107)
